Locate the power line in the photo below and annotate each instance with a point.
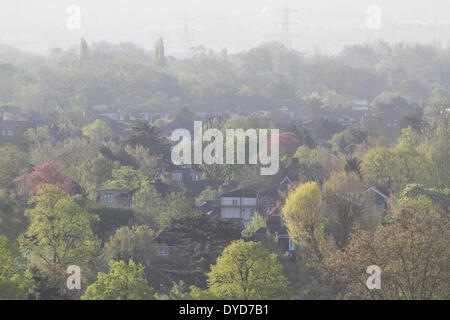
(187, 31)
(286, 25)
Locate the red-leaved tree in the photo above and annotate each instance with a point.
(289, 143)
(48, 173)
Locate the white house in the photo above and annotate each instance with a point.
(239, 205)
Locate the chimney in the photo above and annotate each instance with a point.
(389, 184)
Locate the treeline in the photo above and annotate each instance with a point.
(127, 78)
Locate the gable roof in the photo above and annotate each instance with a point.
(286, 180)
(240, 193)
(377, 191)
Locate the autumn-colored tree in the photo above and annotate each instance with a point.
(347, 206)
(289, 143)
(48, 173)
(412, 253)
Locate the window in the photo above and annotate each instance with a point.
(235, 203)
(163, 251)
(108, 198)
(9, 133)
(177, 176)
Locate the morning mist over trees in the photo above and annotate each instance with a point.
(352, 102)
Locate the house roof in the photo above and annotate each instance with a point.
(286, 180)
(274, 190)
(194, 188)
(210, 207)
(377, 191)
(186, 170)
(169, 239)
(12, 125)
(240, 193)
(119, 190)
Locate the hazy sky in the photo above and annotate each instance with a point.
(39, 25)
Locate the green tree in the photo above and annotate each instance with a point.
(159, 58)
(125, 178)
(13, 163)
(436, 144)
(149, 137)
(347, 207)
(148, 204)
(178, 292)
(306, 156)
(412, 191)
(38, 136)
(92, 173)
(208, 194)
(85, 52)
(353, 165)
(403, 164)
(148, 164)
(122, 282)
(196, 242)
(60, 230)
(97, 130)
(302, 213)
(176, 206)
(14, 282)
(391, 106)
(257, 223)
(247, 271)
(138, 245)
(12, 221)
